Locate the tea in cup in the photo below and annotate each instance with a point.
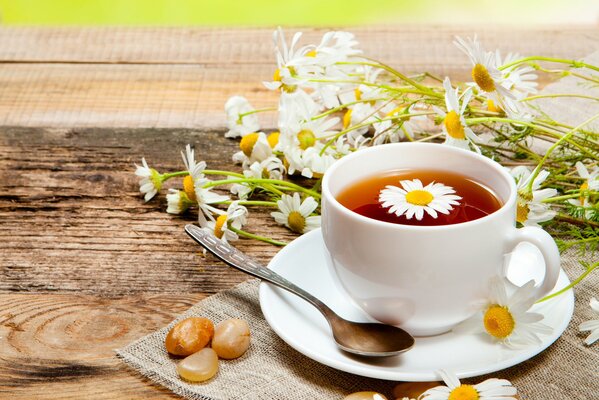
(415, 232)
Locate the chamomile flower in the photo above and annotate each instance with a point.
(255, 147)
(150, 182)
(506, 317)
(485, 73)
(530, 207)
(295, 214)
(178, 201)
(294, 108)
(520, 80)
(317, 163)
(359, 114)
(195, 170)
(241, 119)
(591, 183)
(392, 131)
(235, 217)
(271, 168)
(335, 46)
(457, 133)
(413, 199)
(307, 134)
(491, 389)
(592, 178)
(592, 325)
(205, 199)
(289, 61)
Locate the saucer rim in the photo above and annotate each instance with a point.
(351, 366)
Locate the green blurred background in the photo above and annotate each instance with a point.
(298, 12)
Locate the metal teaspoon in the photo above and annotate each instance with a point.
(364, 339)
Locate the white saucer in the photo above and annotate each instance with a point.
(303, 328)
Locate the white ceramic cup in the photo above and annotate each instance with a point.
(425, 279)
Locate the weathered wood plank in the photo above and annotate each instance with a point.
(73, 219)
(409, 45)
(158, 92)
(61, 346)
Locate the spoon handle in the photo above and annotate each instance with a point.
(236, 259)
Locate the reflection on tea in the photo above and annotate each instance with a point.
(476, 200)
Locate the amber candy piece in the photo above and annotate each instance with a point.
(231, 338)
(199, 367)
(189, 336)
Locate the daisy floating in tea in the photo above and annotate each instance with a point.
(414, 199)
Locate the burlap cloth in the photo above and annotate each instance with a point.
(271, 369)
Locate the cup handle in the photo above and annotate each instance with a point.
(545, 243)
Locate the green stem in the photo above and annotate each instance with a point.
(257, 237)
(571, 285)
(572, 63)
(398, 74)
(583, 193)
(575, 221)
(262, 181)
(537, 170)
(552, 132)
(341, 107)
(169, 175)
(362, 125)
(545, 96)
(252, 203)
(257, 111)
(226, 173)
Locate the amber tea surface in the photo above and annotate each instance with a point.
(477, 200)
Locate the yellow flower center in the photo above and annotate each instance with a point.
(419, 197)
(522, 212)
(347, 118)
(296, 222)
(273, 139)
(453, 125)
(498, 321)
(524, 197)
(276, 76)
(218, 226)
(491, 106)
(464, 392)
(306, 139)
(583, 187)
(358, 94)
(311, 53)
(483, 79)
(189, 187)
(247, 143)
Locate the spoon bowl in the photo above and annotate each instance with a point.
(364, 339)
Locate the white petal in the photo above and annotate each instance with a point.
(308, 206)
(589, 325)
(592, 338)
(450, 379)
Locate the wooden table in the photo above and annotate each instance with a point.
(85, 265)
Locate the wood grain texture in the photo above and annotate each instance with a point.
(61, 346)
(73, 219)
(165, 77)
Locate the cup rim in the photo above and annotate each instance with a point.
(505, 207)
